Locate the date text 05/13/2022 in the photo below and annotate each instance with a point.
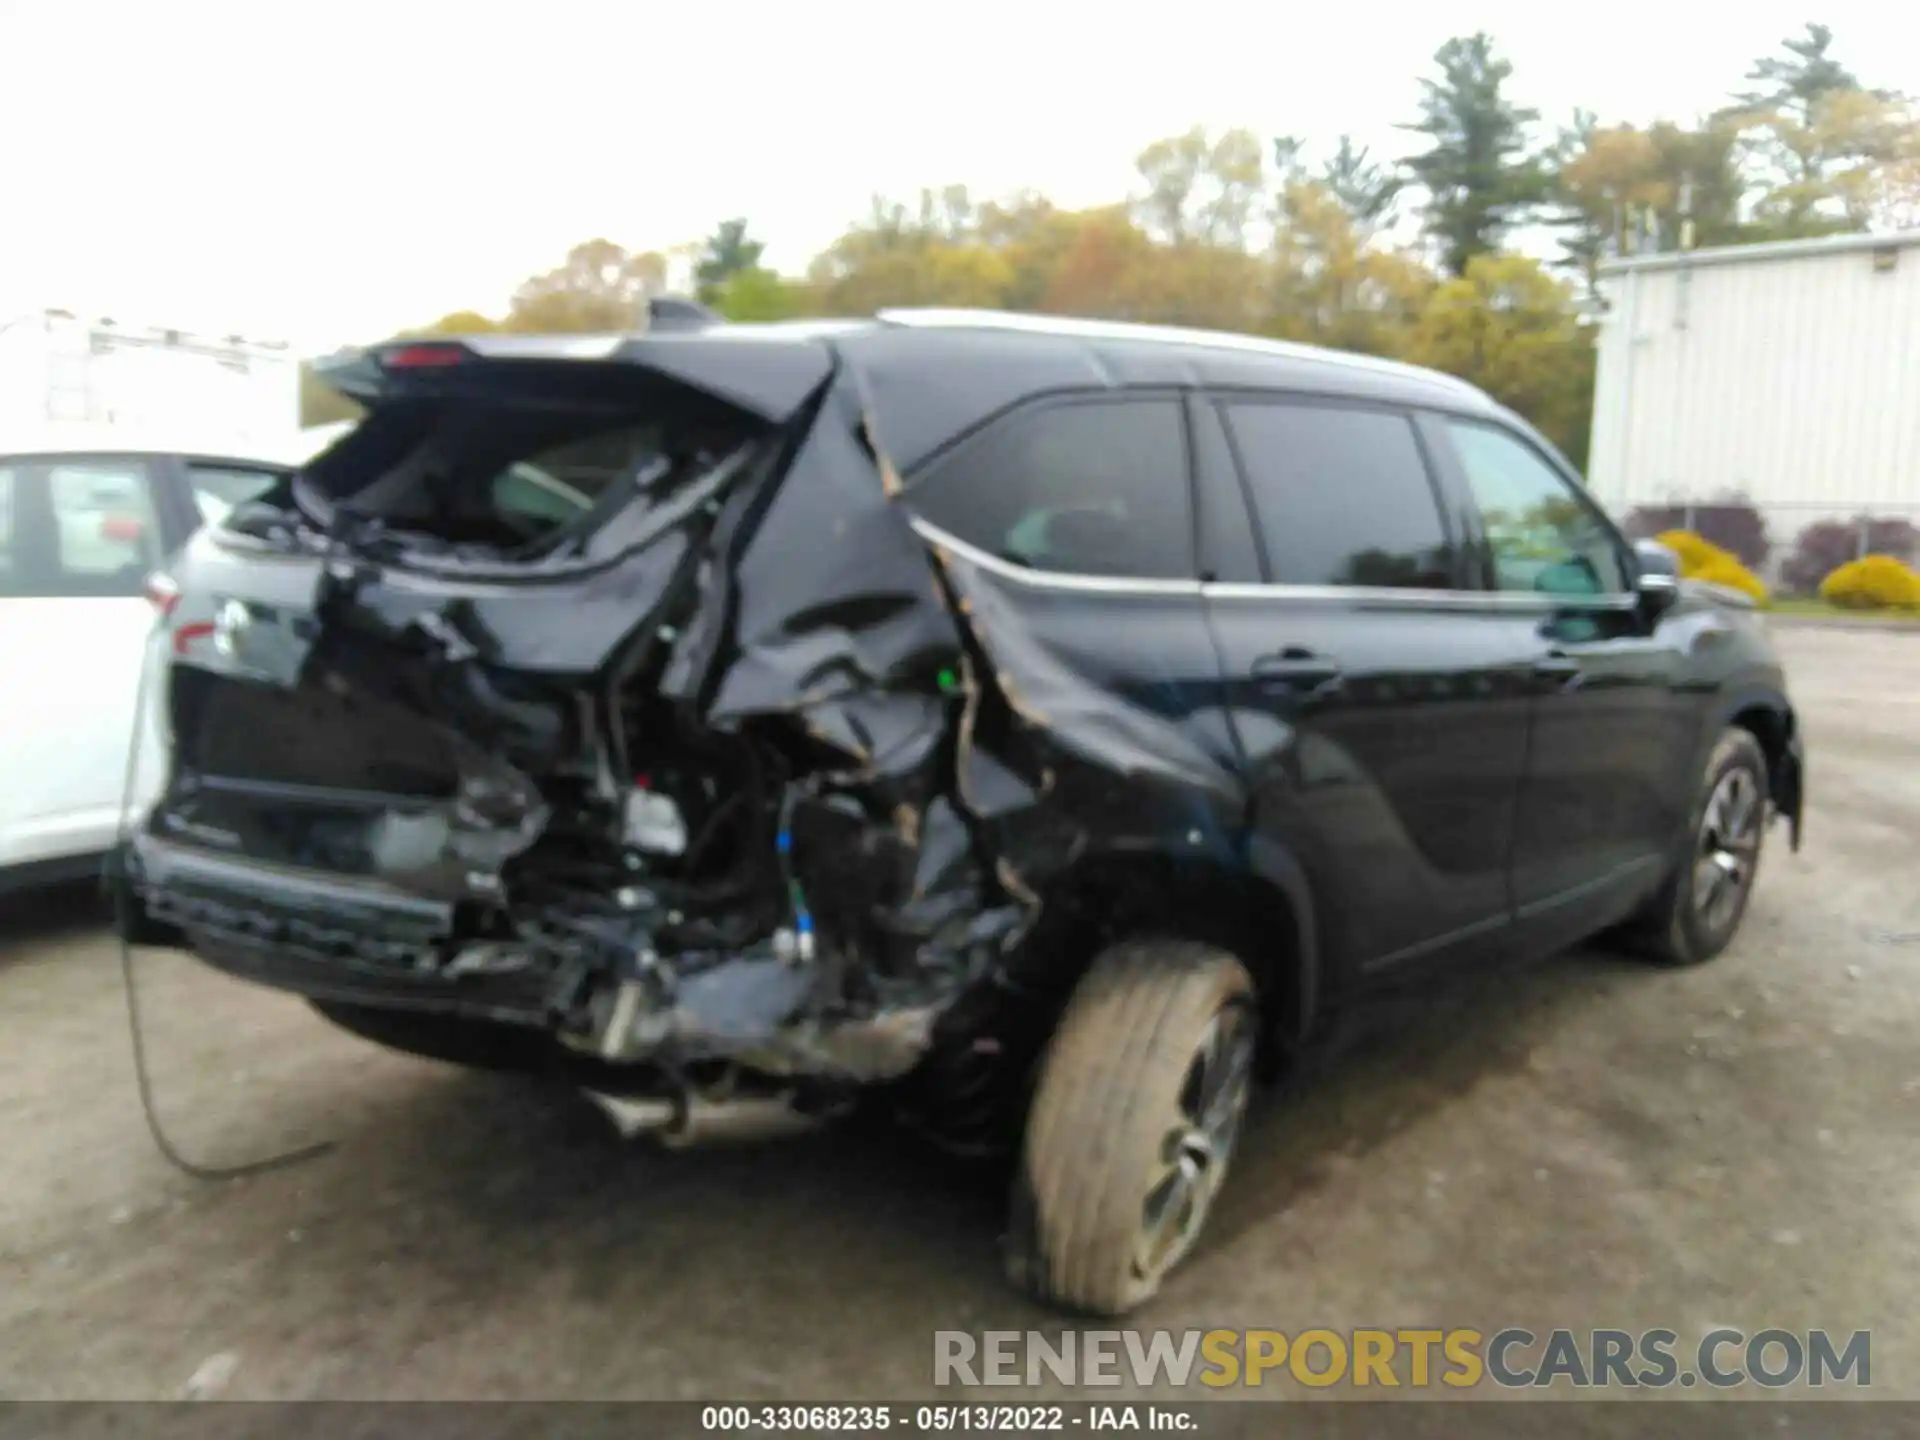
(945, 1418)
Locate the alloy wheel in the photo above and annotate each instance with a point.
(1729, 847)
(1199, 1142)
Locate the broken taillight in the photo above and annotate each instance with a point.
(162, 593)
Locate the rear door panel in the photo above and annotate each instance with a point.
(1067, 529)
(1384, 729)
(1394, 773)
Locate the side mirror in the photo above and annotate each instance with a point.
(1656, 575)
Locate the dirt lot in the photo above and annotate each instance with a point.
(1589, 1143)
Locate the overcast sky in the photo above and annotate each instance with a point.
(329, 173)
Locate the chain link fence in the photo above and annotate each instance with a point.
(1791, 545)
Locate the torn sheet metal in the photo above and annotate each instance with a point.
(897, 762)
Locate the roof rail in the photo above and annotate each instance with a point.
(1071, 328)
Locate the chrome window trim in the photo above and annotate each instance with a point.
(1409, 597)
(1371, 596)
(1049, 579)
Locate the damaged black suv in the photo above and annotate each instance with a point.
(1039, 725)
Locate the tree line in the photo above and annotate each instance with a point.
(1324, 242)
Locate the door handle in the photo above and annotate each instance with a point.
(1294, 660)
(1297, 666)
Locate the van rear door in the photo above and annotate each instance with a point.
(79, 534)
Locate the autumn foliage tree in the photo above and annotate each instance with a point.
(1618, 187)
(1510, 328)
(600, 286)
(1310, 241)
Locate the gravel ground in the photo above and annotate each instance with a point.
(1585, 1143)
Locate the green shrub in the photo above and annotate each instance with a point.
(1874, 582)
(1692, 550)
(1723, 569)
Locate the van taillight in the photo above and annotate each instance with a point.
(162, 593)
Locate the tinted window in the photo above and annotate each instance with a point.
(79, 527)
(1544, 536)
(1342, 495)
(1086, 489)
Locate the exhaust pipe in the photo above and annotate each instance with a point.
(686, 1120)
(635, 1117)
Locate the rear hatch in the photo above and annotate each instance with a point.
(396, 672)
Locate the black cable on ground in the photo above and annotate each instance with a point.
(123, 922)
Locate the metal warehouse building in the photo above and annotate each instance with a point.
(1785, 373)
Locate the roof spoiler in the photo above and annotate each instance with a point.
(684, 343)
(350, 370)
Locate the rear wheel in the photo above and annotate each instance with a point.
(1698, 911)
(1134, 1121)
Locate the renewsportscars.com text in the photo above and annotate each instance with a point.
(1414, 1358)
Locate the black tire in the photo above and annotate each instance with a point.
(1694, 916)
(1120, 1119)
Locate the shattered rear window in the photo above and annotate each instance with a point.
(501, 476)
(562, 483)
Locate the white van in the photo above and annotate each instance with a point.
(86, 517)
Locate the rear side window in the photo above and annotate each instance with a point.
(1341, 494)
(1544, 537)
(218, 489)
(1088, 488)
(78, 527)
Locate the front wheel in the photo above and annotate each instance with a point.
(1134, 1120)
(1697, 912)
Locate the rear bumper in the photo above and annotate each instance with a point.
(252, 893)
(362, 942)
(518, 1000)
(327, 937)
